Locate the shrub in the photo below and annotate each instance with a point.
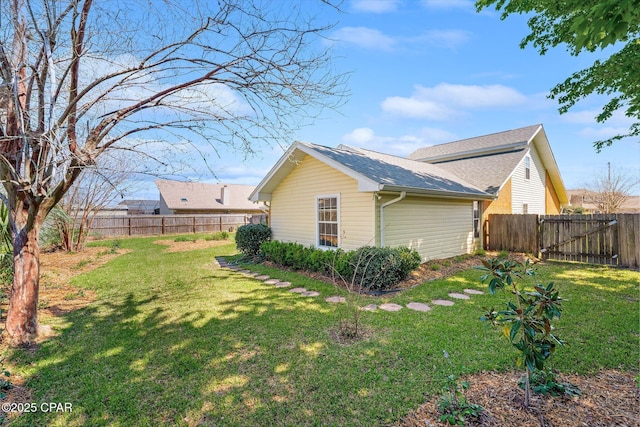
(185, 239)
(382, 268)
(249, 238)
(367, 267)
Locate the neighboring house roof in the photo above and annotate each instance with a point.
(583, 198)
(180, 195)
(373, 171)
(488, 161)
(141, 205)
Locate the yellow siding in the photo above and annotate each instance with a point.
(552, 203)
(293, 206)
(436, 228)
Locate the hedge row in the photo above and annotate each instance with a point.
(367, 267)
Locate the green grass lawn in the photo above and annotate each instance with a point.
(172, 340)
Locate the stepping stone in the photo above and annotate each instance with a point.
(252, 274)
(271, 281)
(310, 294)
(234, 268)
(444, 302)
(283, 284)
(418, 306)
(473, 292)
(245, 271)
(370, 307)
(458, 296)
(390, 307)
(335, 299)
(263, 277)
(298, 290)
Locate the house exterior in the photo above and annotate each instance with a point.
(434, 201)
(515, 166)
(347, 197)
(193, 198)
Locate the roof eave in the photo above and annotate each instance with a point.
(438, 193)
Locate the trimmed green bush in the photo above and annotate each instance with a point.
(382, 268)
(249, 238)
(368, 267)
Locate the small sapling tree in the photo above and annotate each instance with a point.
(526, 319)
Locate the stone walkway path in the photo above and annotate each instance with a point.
(417, 306)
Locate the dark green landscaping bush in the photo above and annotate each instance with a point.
(382, 268)
(367, 267)
(249, 238)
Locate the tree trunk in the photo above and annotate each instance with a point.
(22, 317)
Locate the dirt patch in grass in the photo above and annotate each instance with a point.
(57, 296)
(190, 245)
(610, 398)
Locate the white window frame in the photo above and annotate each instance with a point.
(337, 222)
(527, 168)
(475, 210)
(525, 208)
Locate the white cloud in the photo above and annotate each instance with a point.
(416, 108)
(365, 37)
(446, 38)
(445, 100)
(370, 38)
(396, 145)
(448, 4)
(375, 6)
(603, 132)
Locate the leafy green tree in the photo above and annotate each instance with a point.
(526, 319)
(588, 25)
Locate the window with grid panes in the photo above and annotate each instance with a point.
(328, 221)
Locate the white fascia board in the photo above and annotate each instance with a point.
(258, 194)
(550, 164)
(438, 193)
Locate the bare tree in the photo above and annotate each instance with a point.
(95, 188)
(82, 77)
(609, 192)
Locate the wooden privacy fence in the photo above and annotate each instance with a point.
(151, 225)
(612, 239)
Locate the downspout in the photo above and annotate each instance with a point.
(402, 195)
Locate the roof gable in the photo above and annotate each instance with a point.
(488, 161)
(373, 171)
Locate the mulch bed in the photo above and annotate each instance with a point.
(609, 398)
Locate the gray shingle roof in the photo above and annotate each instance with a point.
(486, 161)
(398, 173)
(485, 172)
(205, 197)
(477, 144)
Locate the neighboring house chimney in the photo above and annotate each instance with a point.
(225, 196)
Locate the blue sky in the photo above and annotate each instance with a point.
(433, 71)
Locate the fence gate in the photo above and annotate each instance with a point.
(582, 238)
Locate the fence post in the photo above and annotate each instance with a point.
(162, 231)
(629, 240)
(129, 218)
(195, 220)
